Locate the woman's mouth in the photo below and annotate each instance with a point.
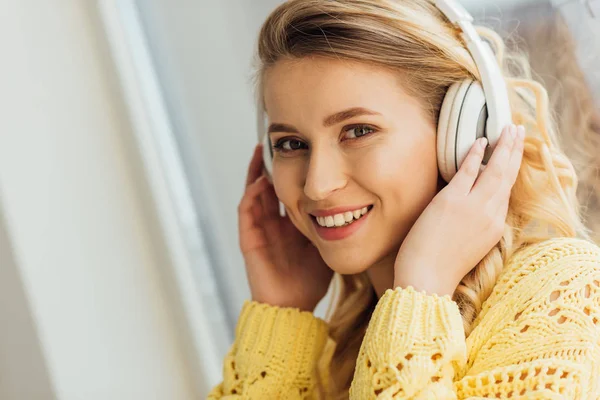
(341, 225)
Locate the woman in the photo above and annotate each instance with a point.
(487, 286)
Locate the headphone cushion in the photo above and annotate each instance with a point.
(462, 121)
(447, 128)
(268, 157)
(472, 122)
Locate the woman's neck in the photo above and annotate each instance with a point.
(381, 274)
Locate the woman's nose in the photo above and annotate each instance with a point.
(325, 174)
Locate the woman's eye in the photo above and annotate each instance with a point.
(289, 145)
(359, 131)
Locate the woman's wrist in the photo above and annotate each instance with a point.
(286, 304)
(429, 283)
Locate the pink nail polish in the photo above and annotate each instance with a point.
(482, 143)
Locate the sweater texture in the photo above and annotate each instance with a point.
(536, 337)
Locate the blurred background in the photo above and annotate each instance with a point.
(125, 132)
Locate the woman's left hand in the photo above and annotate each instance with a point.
(463, 222)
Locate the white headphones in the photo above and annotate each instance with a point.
(470, 109)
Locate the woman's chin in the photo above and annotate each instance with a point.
(347, 264)
(357, 260)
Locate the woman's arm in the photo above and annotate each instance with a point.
(411, 348)
(540, 338)
(274, 356)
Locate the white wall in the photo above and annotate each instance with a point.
(90, 316)
(23, 370)
(202, 52)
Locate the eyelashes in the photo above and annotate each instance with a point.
(288, 144)
(292, 144)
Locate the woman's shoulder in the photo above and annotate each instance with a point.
(543, 278)
(546, 257)
(557, 246)
(544, 268)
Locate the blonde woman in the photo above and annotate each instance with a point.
(486, 286)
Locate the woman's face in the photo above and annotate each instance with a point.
(348, 136)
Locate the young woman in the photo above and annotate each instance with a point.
(486, 286)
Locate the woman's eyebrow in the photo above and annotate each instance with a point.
(329, 121)
(347, 114)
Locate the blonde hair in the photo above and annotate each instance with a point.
(415, 39)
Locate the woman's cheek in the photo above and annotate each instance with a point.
(381, 167)
(281, 183)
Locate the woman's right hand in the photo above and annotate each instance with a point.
(283, 267)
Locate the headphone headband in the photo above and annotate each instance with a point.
(492, 81)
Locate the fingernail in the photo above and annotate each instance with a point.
(482, 143)
(521, 132)
(513, 131)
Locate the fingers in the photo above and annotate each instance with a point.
(260, 199)
(270, 202)
(467, 174)
(250, 208)
(256, 166)
(501, 171)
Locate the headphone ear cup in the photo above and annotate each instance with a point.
(472, 124)
(268, 157)
(268, 162)
(465, 117)
(447, 129)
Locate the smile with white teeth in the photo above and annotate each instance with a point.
(341, 219)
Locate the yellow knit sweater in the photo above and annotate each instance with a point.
(537, 337)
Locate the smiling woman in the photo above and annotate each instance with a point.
(462, 273)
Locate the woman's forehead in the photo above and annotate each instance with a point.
(325, 84)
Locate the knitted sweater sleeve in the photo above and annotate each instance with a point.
(275, 355)
(539, 339)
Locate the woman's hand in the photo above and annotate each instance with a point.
(283, 267)
(463, 222)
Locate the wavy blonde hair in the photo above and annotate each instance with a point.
(414, 38)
